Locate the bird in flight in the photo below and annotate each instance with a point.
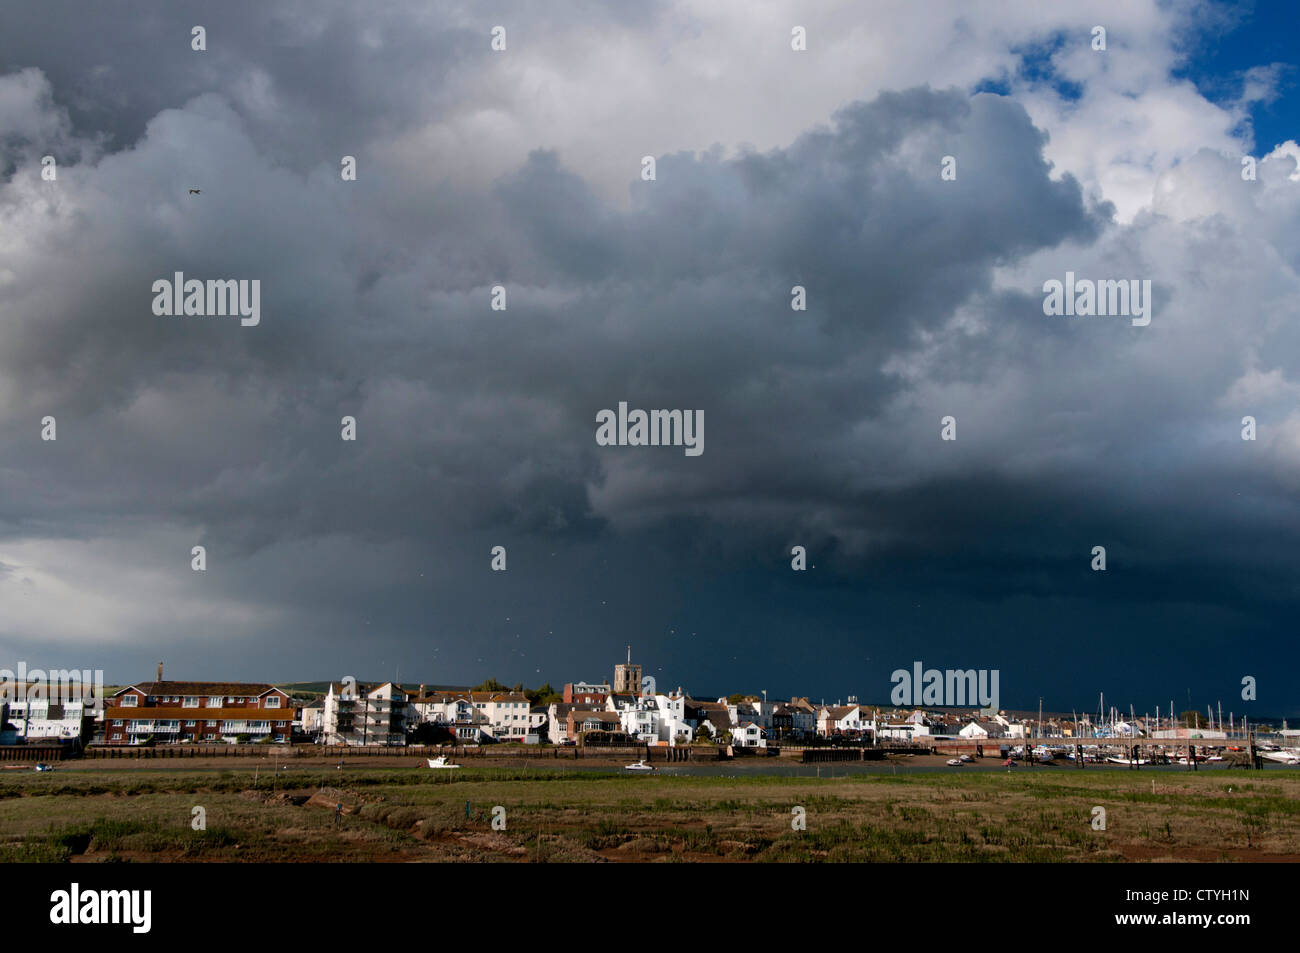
(194, 191)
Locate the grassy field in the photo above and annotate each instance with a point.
(557, 815)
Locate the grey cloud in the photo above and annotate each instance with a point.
(476, 427)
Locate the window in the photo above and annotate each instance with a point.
(129, 701)
(191, 701)
(191, 724)
(272, 701)
(117, 724)
(212, 724)
(214, 701)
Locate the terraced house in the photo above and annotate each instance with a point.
(479, 716)
(162, 712)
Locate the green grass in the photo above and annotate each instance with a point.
(556, 814)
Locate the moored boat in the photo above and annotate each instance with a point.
(1282, 757)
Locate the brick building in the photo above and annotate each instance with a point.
(212, 712)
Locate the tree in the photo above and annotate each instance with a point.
(544, 695)
(1191, 719)
(491, 685)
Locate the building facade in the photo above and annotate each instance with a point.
(169, 712)
(353, 714)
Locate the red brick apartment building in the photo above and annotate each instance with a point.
(209, 712)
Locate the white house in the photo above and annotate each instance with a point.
(841, 719)
(39, 718)
(903, 731)
(748, 735)
(981, 730)
(642, 720)
(500, 716)
(753, 709)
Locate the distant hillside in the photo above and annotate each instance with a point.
(309, 689)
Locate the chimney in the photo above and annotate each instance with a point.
(160, 671)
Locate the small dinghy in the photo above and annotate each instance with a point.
(440, 762)
(955, 762)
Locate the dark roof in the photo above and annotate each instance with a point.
(202, 688)
(563, 708)
(705, 706)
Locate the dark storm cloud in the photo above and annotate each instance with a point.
(683, 298)
(308, 77)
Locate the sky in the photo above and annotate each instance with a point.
(476, 428)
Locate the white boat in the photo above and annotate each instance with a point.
(965, 759)
(440, 762)
(1283, 757)
(639, 766)
(955, 762)
(1215, 757)
(1129, 761)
